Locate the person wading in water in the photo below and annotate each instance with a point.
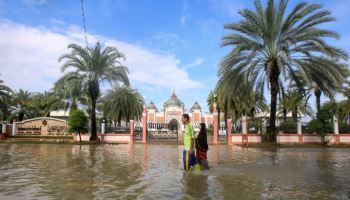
(202, 147)
(189, 157)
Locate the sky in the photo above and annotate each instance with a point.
(169, 45)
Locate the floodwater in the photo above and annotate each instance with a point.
(42, 171)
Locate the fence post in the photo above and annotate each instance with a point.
(131, 131)
(14, 127)
(103, 126)
(144, 125)
(336, 129)
(244, 129)
(3, 130)
(229, 130)
(215, 118)
(299, 126)
(299, 130)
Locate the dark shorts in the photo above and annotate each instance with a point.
(189, 160)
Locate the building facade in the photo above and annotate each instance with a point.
(172, 112)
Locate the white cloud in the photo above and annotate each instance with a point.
(185, 14)
(195, 63)
(29, 58)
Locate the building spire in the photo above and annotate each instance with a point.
(174, 94)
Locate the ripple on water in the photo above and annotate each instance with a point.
(155, 172)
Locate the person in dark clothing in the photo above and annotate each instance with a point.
(202, 147)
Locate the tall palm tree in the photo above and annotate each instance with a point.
(270, 44)
(93, 66)
(123, 103)
(239, 96)
(22, 105)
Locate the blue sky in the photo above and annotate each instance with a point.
(169, 45)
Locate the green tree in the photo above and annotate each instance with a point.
(46, 102)
(212, 98)
(77, 122)
(93, 66)
(71, 90)
(239, 96)
(269, 44)
(123, 103)
(295, 102)
(22, 105)
(5, 97)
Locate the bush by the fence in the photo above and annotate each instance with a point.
(289, 126)
(255, 126)
(344, 128)
(316, 126)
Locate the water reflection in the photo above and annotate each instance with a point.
(155, 172)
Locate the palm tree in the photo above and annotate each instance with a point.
(71, 90)
(47, 102)
(22, 105)
(123, 103)
(270, 44)
(239, 97)
(295, 102)
(214, 98)
(93, 66)
(5, 96)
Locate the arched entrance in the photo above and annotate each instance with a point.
(174, 125)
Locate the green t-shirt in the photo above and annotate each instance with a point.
(189, 134)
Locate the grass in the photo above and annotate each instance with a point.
(42, 137)
(275, 145)
(62, 142)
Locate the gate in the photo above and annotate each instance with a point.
(162, 132)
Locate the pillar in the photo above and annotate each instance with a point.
(216, 124)
(336, 125)
(229, 130)
(299, 126)
(131, 131)
(103, 127)
(14, 127)
(336, 129)
(244, 125)
(3, 128)
(300, 133)
(144, 125)
(244, 129)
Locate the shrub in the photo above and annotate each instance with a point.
(344, 127)
(315, 126)
(289, 126)
(254, 126)
(77, 122)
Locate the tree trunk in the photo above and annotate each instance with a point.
(79, 137)
(284, 114)
(295, 114)
(74, 105)
(273, 106)
(318, 98)
(225, 116)
(93, 136)
(94, 90)
(20, 117)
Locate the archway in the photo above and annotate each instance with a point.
(174, 125)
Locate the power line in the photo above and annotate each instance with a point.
(84, 22)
